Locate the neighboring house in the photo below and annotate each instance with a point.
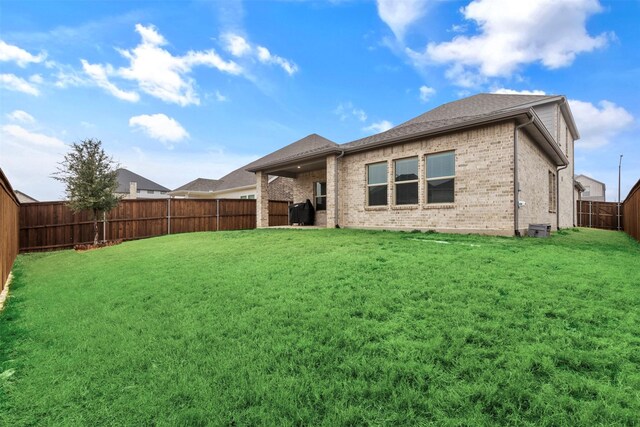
(24, 198)
(133, 186)
(238, 184)
(578, 190)
(451, 169)
(594, 190)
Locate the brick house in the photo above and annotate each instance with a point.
(451, 169)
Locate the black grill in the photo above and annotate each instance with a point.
(302, 213)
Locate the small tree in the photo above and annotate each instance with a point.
(91, 179)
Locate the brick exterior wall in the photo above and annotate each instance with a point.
(303, 190)
(281, 188)
(568, 214)
(483, 185)
(483, 194)
(533, 174)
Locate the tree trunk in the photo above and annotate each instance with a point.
(95, 227)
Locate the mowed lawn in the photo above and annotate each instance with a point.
(326, 327)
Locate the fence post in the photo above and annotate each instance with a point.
(590, 202)
(217, 214)
(104, 227)
(169, 215)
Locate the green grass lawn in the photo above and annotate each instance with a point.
(326, 327)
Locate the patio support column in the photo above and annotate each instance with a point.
(332, 191)
(262, 200)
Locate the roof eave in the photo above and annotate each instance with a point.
(293, 161)
(561, 158)
(444, 129)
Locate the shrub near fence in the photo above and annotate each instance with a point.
(9, 210)
(52, 225)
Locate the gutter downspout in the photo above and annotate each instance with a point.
(516, 186)
(336, 186)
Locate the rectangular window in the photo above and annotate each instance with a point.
(243, 197)
(320, 191)
(441, 171)
(251, 196)
(377, 184)
(149, 191)
(552, 192)
(406, 181)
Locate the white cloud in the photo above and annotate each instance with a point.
(400, 14)
(238, 46)
(426, 93)
(345, 110)
(160, 127)
(36, 78)
(504, 91)
(512, 34)
(99, 74)
(599, 125)
(11, 53)
(381, 126)
(18, 84)
(220, 97)
(26, 137)
(268, 58)
(21, 116)
(156, 71)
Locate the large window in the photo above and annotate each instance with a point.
(552, 192)
(377, 184)
(406, 181)
(320, 194)
(441, 171)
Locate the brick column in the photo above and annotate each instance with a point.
(332, 191)
(262, 200)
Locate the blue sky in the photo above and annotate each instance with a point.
(187, 89)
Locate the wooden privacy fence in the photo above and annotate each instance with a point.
(9, 209)
(631, 209)
(52, 225)
(599, 214)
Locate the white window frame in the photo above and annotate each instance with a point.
(413, 181)
(321, 196)
(385, 184)
(427, 179)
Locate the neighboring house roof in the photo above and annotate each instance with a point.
(199, 184)
(236, 179)
(471, 111)
(577, 177)
(24, 198)
(125, 176)
(578, 186)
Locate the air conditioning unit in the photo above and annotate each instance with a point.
(539, 230)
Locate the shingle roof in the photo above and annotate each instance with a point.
(308, 145)
(125, 176)
(475, 107)
(237, 178)
(199, 184)
(479, 107)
